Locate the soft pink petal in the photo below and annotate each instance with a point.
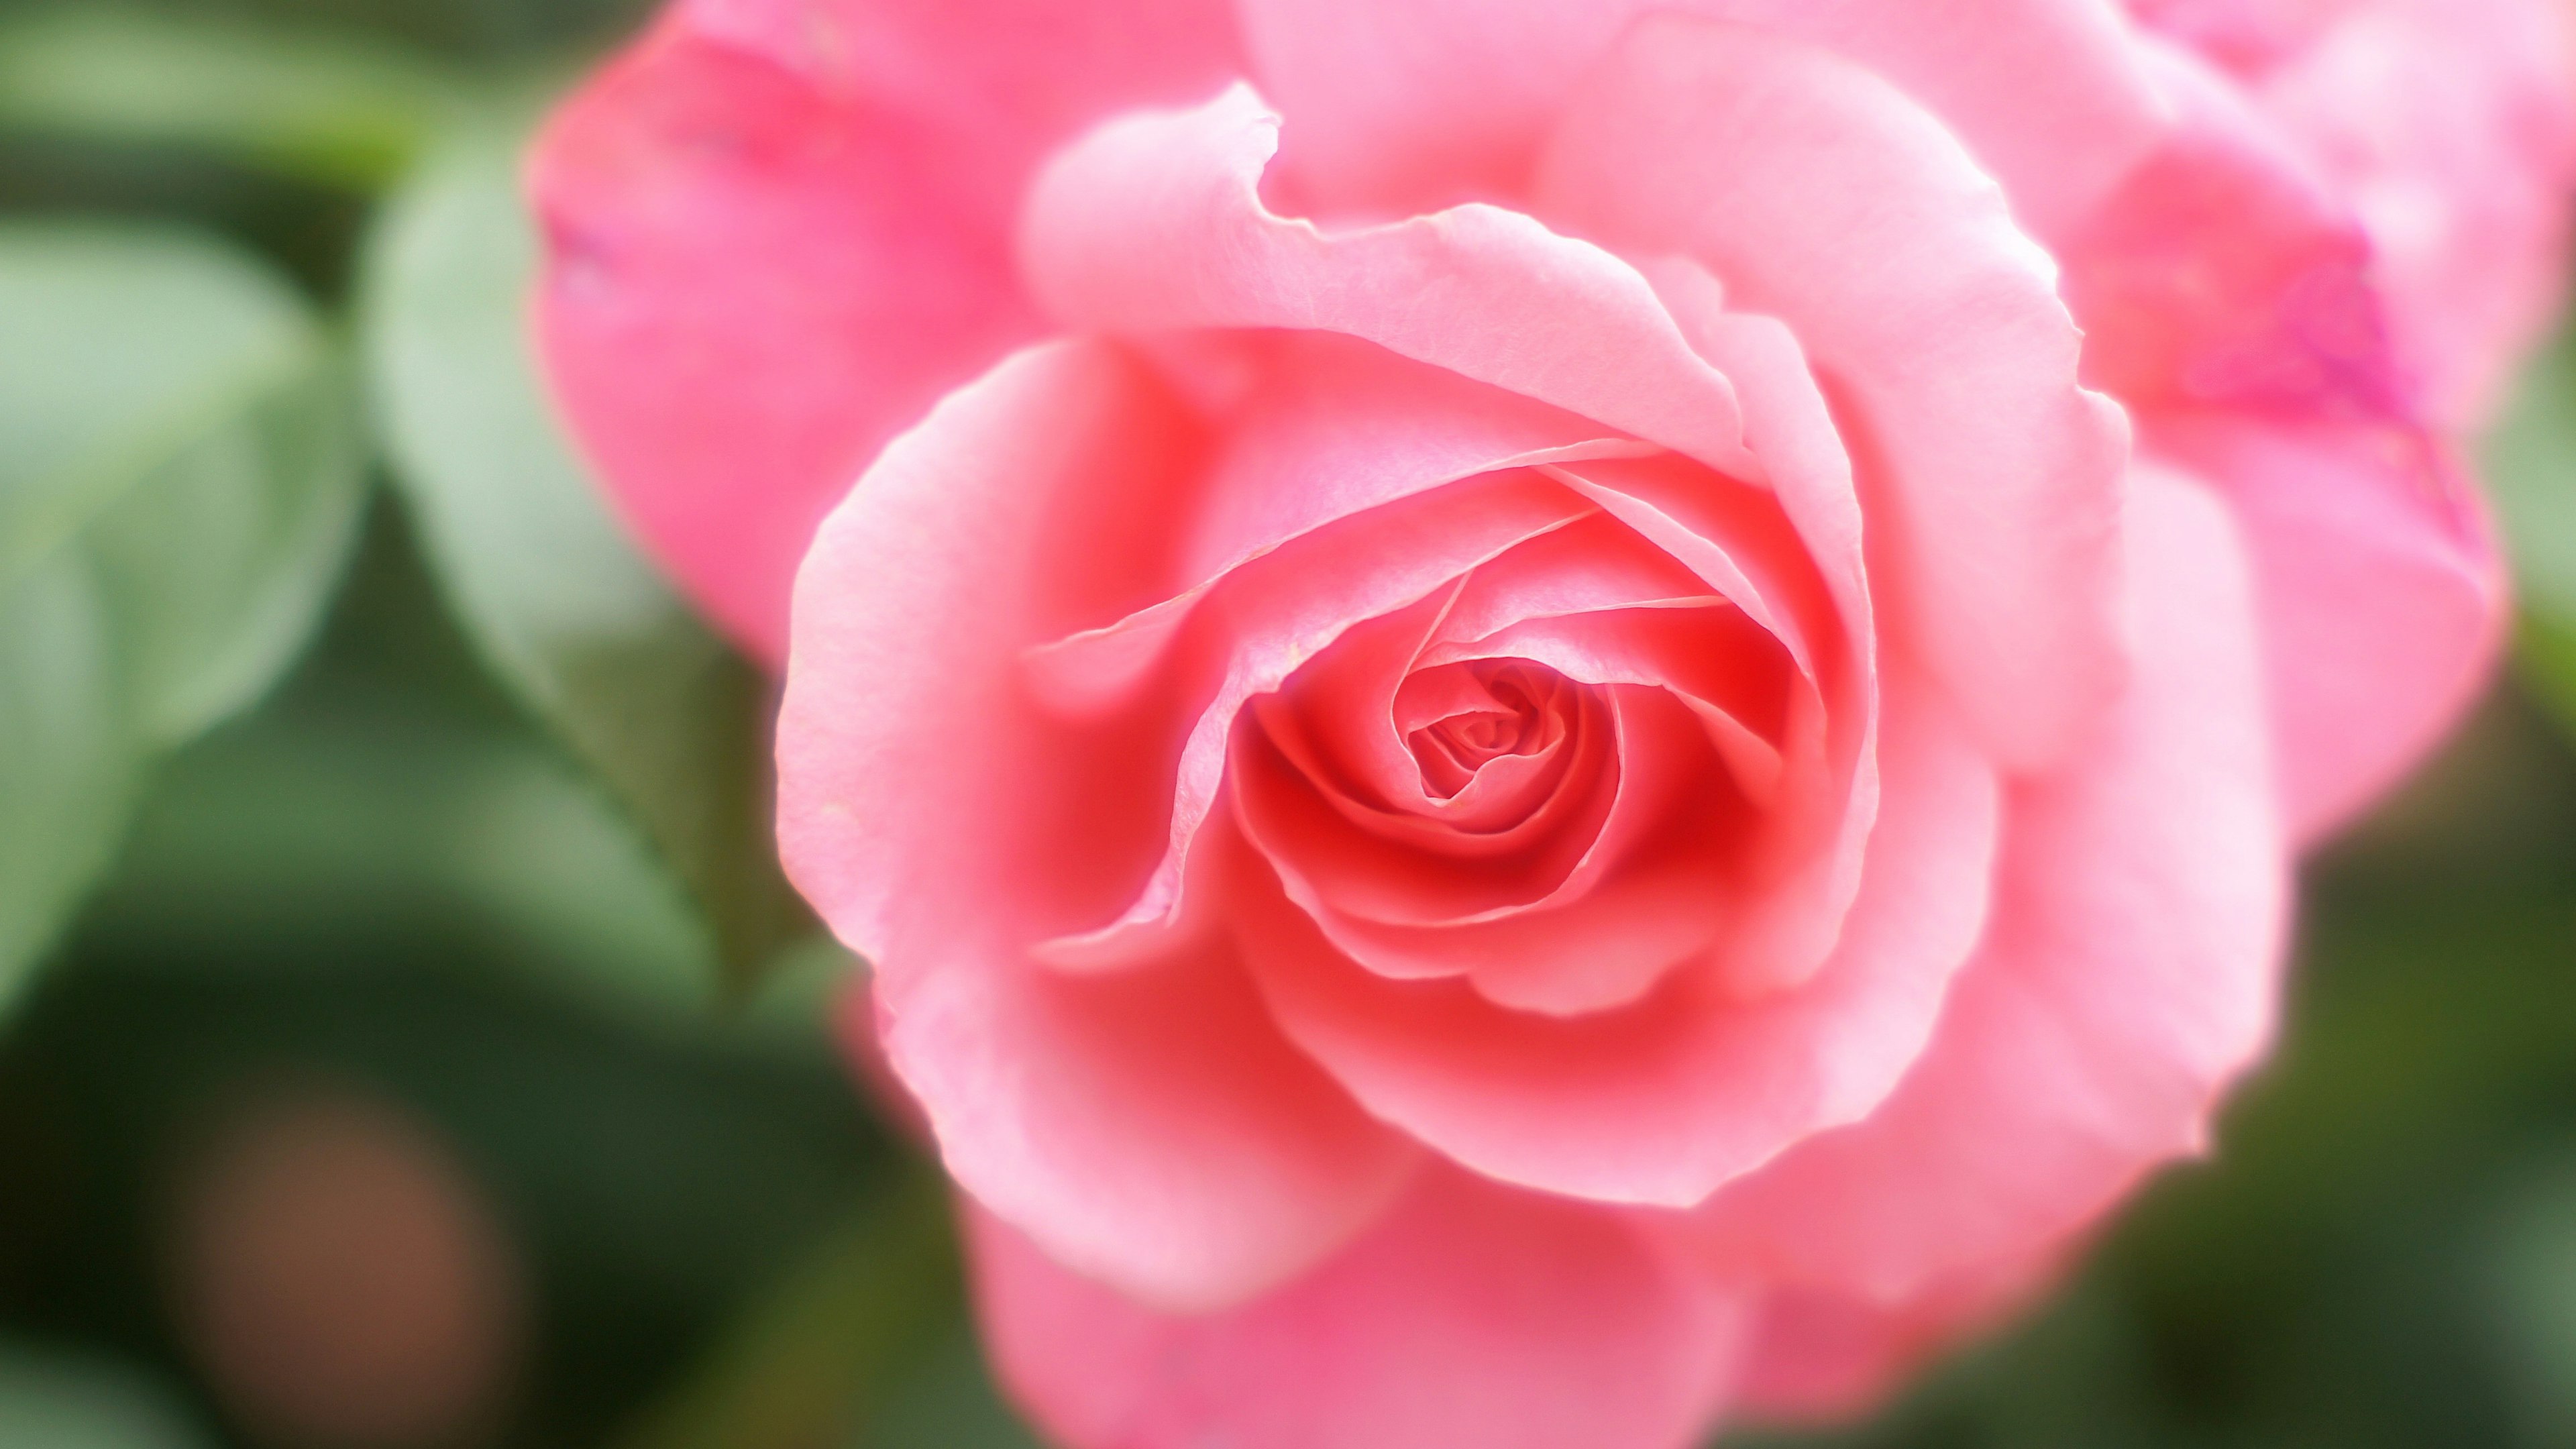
(1328, 427)
(1850, 213)
(1154, 222)
(1472, 1315)
(1662, 1102)
(1809, 589)
(2128, 977)
(2382, 595)
(1151, 1126)
(1402, 105)
(1792, 431)
(1155, 1130)
(1821, 1356)
(777, 230)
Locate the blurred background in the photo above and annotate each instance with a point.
(406, 1041)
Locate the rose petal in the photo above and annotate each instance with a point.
(1402, 105)
(2128, 977)
(2382, 595)
(1643, 895)
(779, 229)
(1823, 799)
(2228, 271)
(2449, 125)
(1664, 1101)
(1818, 1356)
(1471, 1315)
(1156, 1131)
(1853, 215)
(1154, 222)
(1284, 610)
(1332, 427)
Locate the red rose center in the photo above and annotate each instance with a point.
(1521, 713)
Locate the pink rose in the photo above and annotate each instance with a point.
(1549, 766)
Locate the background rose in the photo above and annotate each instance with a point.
(2231, 296)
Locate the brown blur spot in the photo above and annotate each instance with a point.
(340, 1280)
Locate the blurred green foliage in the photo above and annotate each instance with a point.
(347, 749)
(585, 633)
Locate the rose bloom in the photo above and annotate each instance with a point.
(1551, 718)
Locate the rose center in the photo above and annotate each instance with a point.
(1512, 708)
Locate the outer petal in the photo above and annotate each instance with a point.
(1154, 222)
(2382, 595)
(1666, 1100)
(1823, 1356)
(1472, 1315)
(1993, 480)
(2452, 124)
(2450, 128)
(2128, 977)
(1153, 1128)
(778, 229)
(1405, 104)
(2228, 271)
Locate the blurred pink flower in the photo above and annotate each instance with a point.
(1616, 739)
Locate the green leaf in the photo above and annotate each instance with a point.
(319, 107)
(548, 587)
(2530, 465)
(181, 478)
(822, 1356)
(64, 1403)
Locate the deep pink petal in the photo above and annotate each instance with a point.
(1155, 1130)
(1472, 1315)
(2128, 977)
(1638, 896)
(1282, 612)
(2228, 270)
(2452, 123)
(1849, 212)
(1285, 792)
(777, 230)
(1727, 672)
(2450, 127)
(1664, 1101)
(1402, 105)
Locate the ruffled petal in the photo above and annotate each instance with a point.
(1156, 1129)
(1471, 1315)
(1403, 105)
(778, 230)
(1849, 212)
(2128, 977)
(1282, 612)
(1664, 1101)
(1154, 222)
